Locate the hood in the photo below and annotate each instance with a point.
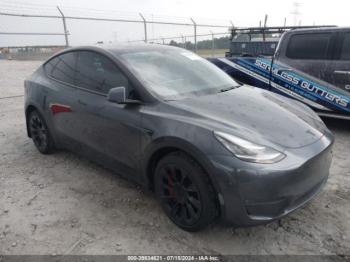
(256, 115)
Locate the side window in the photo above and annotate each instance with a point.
(62, 67)
(345, 50)
(308, 46)
(98, 73)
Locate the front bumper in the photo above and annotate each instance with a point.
(252, 194)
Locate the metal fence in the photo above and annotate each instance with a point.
(143, 21)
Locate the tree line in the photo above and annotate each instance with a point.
(219, 43)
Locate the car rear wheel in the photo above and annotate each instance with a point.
(185, 192)
(40, 133)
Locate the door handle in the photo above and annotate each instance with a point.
(339, 72)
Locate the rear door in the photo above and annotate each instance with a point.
(341, 63)
(60, 98)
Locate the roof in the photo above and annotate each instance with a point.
(322, 29)
(117, 49)
(124, 48)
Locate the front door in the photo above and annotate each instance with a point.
(111, 130)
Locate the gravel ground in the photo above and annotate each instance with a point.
(63, 204)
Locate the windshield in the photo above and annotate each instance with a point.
(177, 73)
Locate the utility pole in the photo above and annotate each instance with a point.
(64, 27)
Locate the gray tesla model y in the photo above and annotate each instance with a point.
(170, 120)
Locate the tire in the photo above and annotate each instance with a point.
(40, 133)
(185, 192)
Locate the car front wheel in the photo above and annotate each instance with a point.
(185, 192)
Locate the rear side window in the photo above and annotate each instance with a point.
(62, 68)
(345, 51)
(98, 73)
(308, 46)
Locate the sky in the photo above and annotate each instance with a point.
(241, 13)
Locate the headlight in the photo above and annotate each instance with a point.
(248, 151)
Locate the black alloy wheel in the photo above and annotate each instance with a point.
(184, 191)
(40, 133)
(180, 195)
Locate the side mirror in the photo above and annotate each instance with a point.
(118, 95)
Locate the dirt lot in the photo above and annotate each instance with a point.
(63, 204)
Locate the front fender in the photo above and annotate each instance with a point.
(163, 145)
